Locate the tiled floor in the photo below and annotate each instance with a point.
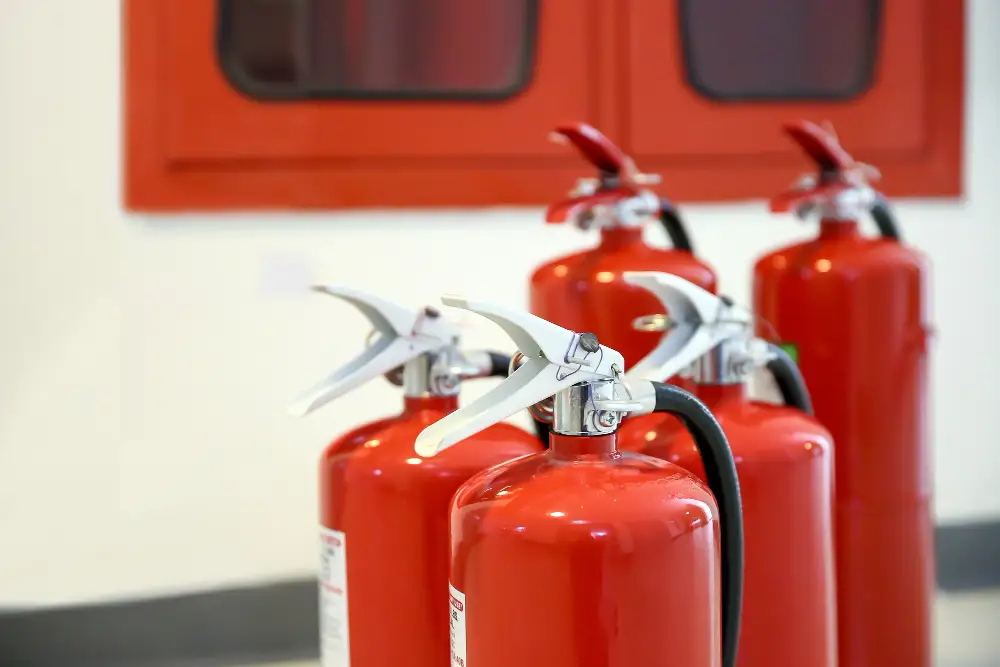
(967, 632)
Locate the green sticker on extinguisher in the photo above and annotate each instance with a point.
(792, 350)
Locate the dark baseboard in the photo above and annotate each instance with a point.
(279, 622)
(968, 556)
(268, 623)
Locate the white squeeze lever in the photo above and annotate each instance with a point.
(556, 359)
(699, 321)
(403, 335)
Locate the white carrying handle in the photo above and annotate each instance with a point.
(701, 320)
(557, 358)
(403, 334)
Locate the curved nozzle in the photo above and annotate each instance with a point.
(698, 321)
(821, 144)
(838, 173)
(555, 358)
(595, 148)
(618, 178)
(403, 334)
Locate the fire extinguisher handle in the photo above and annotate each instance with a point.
(884, 219)
(674, 227)
(789, 379)
(720, 471)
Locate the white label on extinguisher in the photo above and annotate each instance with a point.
(334, 635)
(457, 614)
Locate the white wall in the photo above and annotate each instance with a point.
(145, 362)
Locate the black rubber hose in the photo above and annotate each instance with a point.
(499, 365)
(543, 430)
(789, 379)
(885, 220)
(674, 227)
(720, 472)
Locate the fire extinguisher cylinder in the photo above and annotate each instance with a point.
(583, 555)
(783, 460)
(383, 510)
(853, 308)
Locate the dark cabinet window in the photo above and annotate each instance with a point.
(780, 49)
(378, 49)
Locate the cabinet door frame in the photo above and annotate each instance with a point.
(929, 167)
(160, 178)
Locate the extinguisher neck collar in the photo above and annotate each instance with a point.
(423, 379)
(616, 237)
(569, 447)
(713, 395)
(837, 228)
(440, 373)
(595, 408)
(835, 201)
(731, 362)
(604, 209)
(443, 404)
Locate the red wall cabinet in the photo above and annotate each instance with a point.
(235, 104)
(255, 104)
(713, 79)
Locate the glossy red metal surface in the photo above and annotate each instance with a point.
(584, 556)
(596, 148)
(393, 507)
(585, 291)
(650, 434)
(820, 144)
(783, 460)
(853, 310)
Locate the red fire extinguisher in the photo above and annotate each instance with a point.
(851, 310)
(583, 556)
(585, 291)
(383, 508)
(783, 459)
